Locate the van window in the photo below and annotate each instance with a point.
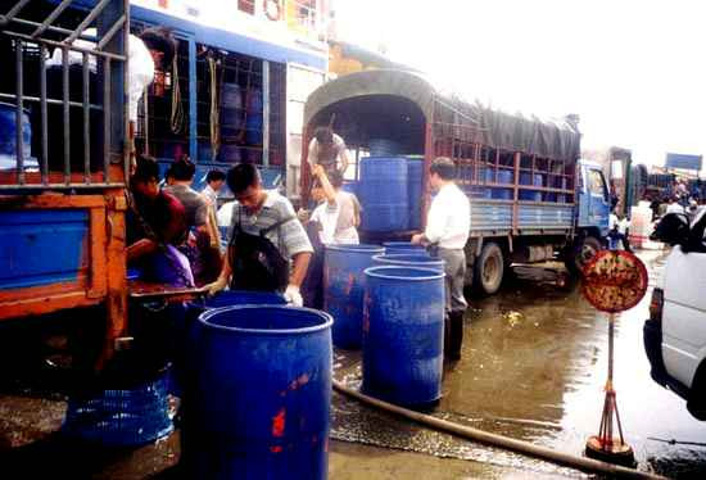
(596, 184)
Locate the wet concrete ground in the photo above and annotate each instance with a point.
(533, 368)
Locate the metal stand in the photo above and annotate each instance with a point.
(603, 446)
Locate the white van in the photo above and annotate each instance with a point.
(675, 334)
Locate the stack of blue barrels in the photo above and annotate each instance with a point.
(415, 191)
(258, 394)
(534, 180)
(231, 122)
(383, 193)
(253, 122)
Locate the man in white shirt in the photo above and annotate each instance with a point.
(154, 48)
(448, 226)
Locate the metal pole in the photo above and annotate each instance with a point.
(265, 113)
(19, 114)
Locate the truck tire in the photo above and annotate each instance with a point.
(582, 253)
(696, 403)
(489, 269)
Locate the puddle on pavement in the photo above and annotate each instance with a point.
(533, 368)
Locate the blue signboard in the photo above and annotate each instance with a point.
(684, 162)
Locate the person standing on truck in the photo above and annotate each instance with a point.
(328, 150)
(264, 237)
(154, 48)
(448, 226)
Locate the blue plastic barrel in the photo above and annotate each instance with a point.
(415, 174)
(529, 179)
(344, 287)
(232, 112)
(241, 297)
(410, 260)
(504, 177)
(403, 335)
(381, 147)
(383, 194)
(395, 248)
(259, 406)
(8, 135)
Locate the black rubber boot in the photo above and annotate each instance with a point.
(453, 338)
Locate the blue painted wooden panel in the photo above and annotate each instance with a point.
(496, 216)
(546, 217)
(41, 247)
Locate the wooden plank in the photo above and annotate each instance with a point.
(43, 305)
(97, 261)
(51, 201)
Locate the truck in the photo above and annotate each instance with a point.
(532, 197)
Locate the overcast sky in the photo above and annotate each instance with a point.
(633, 70)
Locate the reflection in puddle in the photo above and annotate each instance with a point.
(533, 368)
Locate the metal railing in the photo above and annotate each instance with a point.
(27, 31)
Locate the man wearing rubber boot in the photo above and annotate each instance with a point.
(448, 224)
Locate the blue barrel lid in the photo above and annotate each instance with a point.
(361, 247)
(410, 259)
(412, 274)
(320, 320)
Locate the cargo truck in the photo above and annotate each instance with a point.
(532, 197)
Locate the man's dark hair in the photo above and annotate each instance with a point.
(241, 177)
(443, 167)
(147, 169)
(324, 135)
(336, 179)
(215, 176)
(162, 40)
(183, 170)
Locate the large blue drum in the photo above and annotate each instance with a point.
(344, 287)
(403, 335)
(383, 194)
(259, 405)
(8, 135)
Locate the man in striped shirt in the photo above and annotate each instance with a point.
(268, 246)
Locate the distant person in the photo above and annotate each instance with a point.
(448, 226)
(328, 150)
(674, 206)
(268, 249)
(215, 179)
(196, 244)
(155, 226)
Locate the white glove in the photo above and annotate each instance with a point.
(293, 296)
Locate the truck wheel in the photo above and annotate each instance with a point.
(489, 268)
(583, 253)
(696, 403)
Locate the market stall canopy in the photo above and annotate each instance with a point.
(559, 139)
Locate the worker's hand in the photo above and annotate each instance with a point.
(317, 170)
(217, 286)
(293, 296)
(417, 239)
